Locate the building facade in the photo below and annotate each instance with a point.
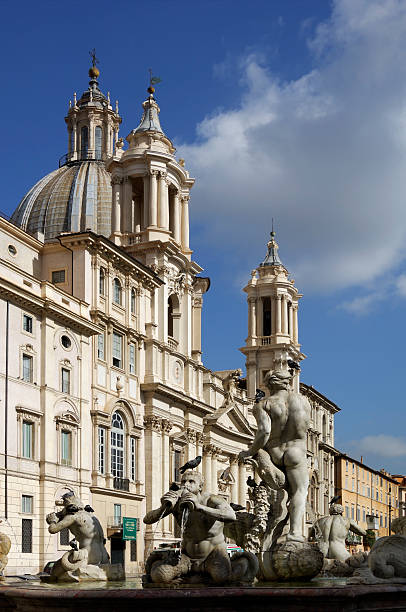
(103, 385)
(366, 492)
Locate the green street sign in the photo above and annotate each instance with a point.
(129, 528)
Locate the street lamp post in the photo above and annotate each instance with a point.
(390, 508)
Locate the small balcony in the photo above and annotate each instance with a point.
(78, 156)
(114, 522)
(173, 344)
(121, 484)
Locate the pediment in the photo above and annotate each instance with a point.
(231, 419)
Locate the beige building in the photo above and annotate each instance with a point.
(102, 382)
(365, 491)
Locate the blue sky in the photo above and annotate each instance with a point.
(287, 109)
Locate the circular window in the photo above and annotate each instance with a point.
(12, 250)
(66, 343)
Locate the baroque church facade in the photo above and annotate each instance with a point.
(103, 387)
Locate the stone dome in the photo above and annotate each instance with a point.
(74, 198)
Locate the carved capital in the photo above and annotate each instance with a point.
(166, 425)
(191, 435)
(116, 180)
(233, 460)
(153, 423)
(200, 437)
(211, 450)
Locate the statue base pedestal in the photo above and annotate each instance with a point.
(291, 561)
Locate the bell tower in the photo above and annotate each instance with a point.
(92, 123)
(272, 321)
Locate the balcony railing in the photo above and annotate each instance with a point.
(265, 340)
(173, 344)
(121, 484)
(78, 156)
(115, 521)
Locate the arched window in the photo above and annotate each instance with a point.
(117, 445)
(133, 301)
(170, 317)
(312, 495)
(98, 133)
(267, 317)
(324, 427)
(117, 291)
(84, 141)
(102, 279)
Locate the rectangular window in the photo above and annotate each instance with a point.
(133, 550)
(369, 491)
(27, 323)
(27, 368)
(117, 515)
(58, 276)
(117, 350)
(363, 515)
(353, 485)
(358, 513)
(66, 448)
(64, 536)
(352, 512)
(102, 449)
(132, 358)
(133, 459)
(386, 520)
(26, 504)
(100, 346)
(346, 482)
(27, 445)
(347, 512)
(65, 380)
(26, 536)
(176, 466)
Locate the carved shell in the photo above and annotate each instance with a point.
(297, 560)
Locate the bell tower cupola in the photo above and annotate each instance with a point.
(92, 122)
(150, 187)
(272, 341)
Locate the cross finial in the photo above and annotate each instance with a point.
(92, 54)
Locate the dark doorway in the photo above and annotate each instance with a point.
(117, 547)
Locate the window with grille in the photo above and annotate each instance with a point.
(133, 459)
(116, 291)
(117, 514)
(102, 280)
(58, 276)
(117, 445)
(26, 504)
(176, 465)
(132, 301)
(102, 449)
(26, 536)
(98, 141)
(132, 358)
(66, 447)
(28, 443)
(27, 323)
(27, 368)
(133, 550)
(100, 346)
(117, 350)
(64, 537)
(65, 380)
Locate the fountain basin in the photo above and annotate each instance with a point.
(112, 597)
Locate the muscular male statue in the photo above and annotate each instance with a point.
(83, 524)
(203, 546)
(279, 446)
(331, 531)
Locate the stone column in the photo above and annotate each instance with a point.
(185, 223)
(166, 427)
(252, 317)
(295, 325)
(290, 317)
(153, 199)
(153, 465)
(127, 206)
(146, 201)
(74, 140)
(234, 474)
(207, 467)
(137, 214)
(91, 151)
(214, 479)
(242, 484)
(116, 208)
(176, 217)
(284, 315)
(199, 448)
(278, 306)
(163, 216)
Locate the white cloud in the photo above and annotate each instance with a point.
(381, 445)
(324, 154)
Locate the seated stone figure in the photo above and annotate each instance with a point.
(331, 531)
(203, 547)
(88, 533)
(387, 559)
